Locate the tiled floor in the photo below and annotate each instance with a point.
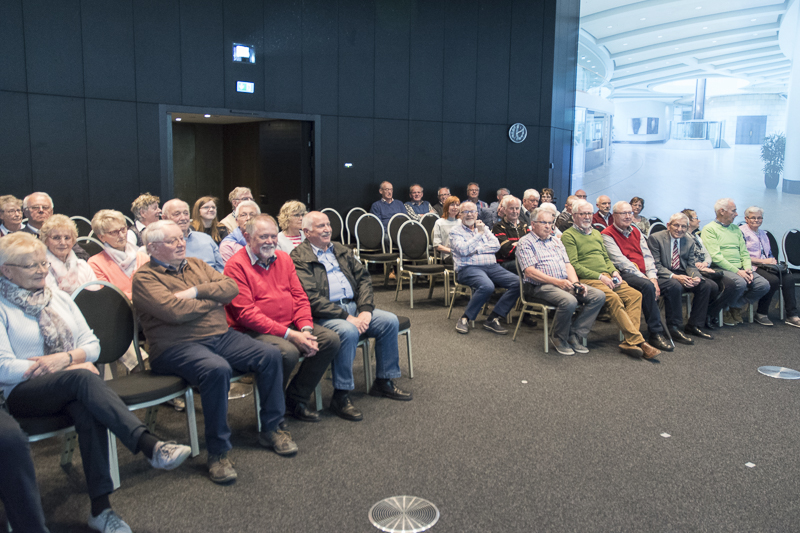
(670, 180)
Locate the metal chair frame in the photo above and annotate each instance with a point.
(534, 308)
(82, 220)
(350, 223)
(363, 254)
(427, 259)
(333, 215)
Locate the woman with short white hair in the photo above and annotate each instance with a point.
(10, 214)
(67, 271)
(235, 240)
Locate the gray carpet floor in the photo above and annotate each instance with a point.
(500, 437)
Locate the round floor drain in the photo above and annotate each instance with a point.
(403, 514)
(779, 372)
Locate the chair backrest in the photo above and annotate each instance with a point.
(773, 246)
(656, 227)
(91, 245)
(84, 225)
(653, 220)
(110, 315)
(350, 223)
(128, 220)
(598, 226)
(336, 223)
(428, 222)
(791, 247)
(397, 220)
(412, 241)
(369, 233)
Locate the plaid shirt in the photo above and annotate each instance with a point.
(471, 248)
(547, 256)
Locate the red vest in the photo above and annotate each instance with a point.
(630, 247)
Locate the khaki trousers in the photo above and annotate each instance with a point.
(625, 306)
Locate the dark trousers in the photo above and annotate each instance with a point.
(787, 288)
(649, 303)
(673, 307)
(18, 490)
(311, 369)
(209, 363)
(724, 296)
(94, 408)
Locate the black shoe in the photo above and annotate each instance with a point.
(494, 326)
(712, 322)
(301, 412)
(659, 341)
(386, 387)
(679, 336)
(697, 332)
(344, 408)
(528, 320)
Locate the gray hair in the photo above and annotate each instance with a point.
(25, 200)
(619, 205)
(547, 206)
(507, 199)
(17, 245)
(247, 203)
(155, 231)
(678, 216)
(721, 204)
(541, 211)
(308, 219)
(103, 220)
(167, 208)
(754, 209)
(531, 192)
(503, 190)
(581, 203)
(461, 209)
(237, 192)
(250, 226)
(570, 199)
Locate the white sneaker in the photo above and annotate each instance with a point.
(109, 522)
(168, 455)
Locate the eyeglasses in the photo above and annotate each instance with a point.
(299, 215)
(755, 218)
(116, 231)
(625, 213)
(245, 216)
(470, 212)
(171, 242)
(543, 223)
(40, 207)
(582, 214)
(44, 265)
(16, 211)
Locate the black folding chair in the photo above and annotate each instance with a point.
(91, 245)
(370, 244)
(414, 260)
(397, 220)
(84, 225)
(350, 224)
(337, 226)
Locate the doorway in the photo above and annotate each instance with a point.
(751, 129)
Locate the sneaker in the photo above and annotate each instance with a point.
(792, 321)
(763, 319)
(279, 441)
(220, 469)
(494, 326)
(561, 346)
(462, 326)
(178, 404)
(727, 319)
(168, 455)
(109, 522)
(576, 343)
(736, 314)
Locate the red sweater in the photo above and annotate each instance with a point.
(269, 301)
(597, 218)
(630, 247)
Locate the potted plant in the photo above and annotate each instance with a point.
(772, 153)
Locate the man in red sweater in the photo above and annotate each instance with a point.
(273, 307)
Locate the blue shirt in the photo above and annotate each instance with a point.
(421, 208)
(338, 286)
(384, 210)
(201, 246)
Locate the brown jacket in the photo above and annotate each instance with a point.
(168, 320)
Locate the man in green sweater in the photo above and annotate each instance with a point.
(588, 255)
(725, 243)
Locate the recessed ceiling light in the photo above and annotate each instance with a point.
(625, 44)
(713, 41)
(705, 27)
(207, 116)
(660, 36)
(643, 18)
(594, 66)
(753, 20)
(609, 27)
(699, 7)
(583, 57)
(178, 119)
(588, 60)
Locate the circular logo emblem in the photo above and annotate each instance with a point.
(517, 132)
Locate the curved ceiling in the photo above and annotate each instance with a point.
(652, 42)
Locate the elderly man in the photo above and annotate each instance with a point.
(442, 194)
(38, 207)
(473, 191)
(473, 246)
(387, 206)
(549, 276)
(417, 207)
(581, 194)
(674, 254)
(728, 250)
(233, 242)
(198, 244)
(237, 196)
(627, 248)
(509, 231)
(492, 214)
(180, 305)
(603, 214)
(530, 201)
(273, 307)
(339, 289)
(588, 256)
(564, 219)
(145, 211)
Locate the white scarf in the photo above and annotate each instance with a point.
(66, 273)
(126, 260)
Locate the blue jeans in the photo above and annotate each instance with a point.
(383, 327)
(483, 279)
(208, 364)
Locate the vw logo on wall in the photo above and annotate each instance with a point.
(518, 132)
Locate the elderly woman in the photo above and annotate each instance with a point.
(10, 214)
(637, 204)
(67, 271)
(119, 259)
(46, 354)
(290, 220)
(145, 211)
(204, 218)
(767, 266)
(548, 196)
(236, 241)
(451, 213)
(553, 209)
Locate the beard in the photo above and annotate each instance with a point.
(266, 251)
(468, 223)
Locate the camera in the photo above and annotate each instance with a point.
(577, 288)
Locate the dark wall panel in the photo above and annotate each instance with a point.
(356, 137)
(458, 156)
(157, 50)
(112, 154)
(202, 47)
(148, 143)
(391, 152)
(392, 27)
(15, 145)
(58, 151)
(522, 161)
(525, 79)
(460, 60)
(356, 58)
(12, 47)
(244, 23)
(491, 145)
(208, 139)
(327, 195)
(53, 52)
(183, 162)
(427, 61)
(108, 65)
(282, 57)
(320, 57)
(494, 49)
(424, 152)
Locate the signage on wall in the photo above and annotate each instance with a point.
(518, 132)
(245, 86)
(244, 53)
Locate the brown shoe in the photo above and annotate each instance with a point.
(630, 349)
(649, 351)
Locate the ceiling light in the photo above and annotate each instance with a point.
(643, 18)
(713, 41)
(660, 36)
(625, 44)
(676, 48)
(705, 27)
(594, 66)
(588, 60)
(178, 119)
(699, 7)
(609, 27)
(753, 20)
(583, 57)
(207, 116)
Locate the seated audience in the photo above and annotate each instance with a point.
(493, 214)
(119, 259)
(290, 220)
(145, 211)
(442, 227)
(778, 276)
(46, 355)
(387, 206)
(589, 258)
(38, 207)
(581, 194)
(547, 206)
(725, 243)
(637, 204)
(180, 302)
(67, 272)
(564, 220)
(339, 289)
(235, 241)
(10, 215)
(442, 194)
(674, 255)
(530, 201)
(272, 307)
(474, 246)
(237, 196)
(627, 248)
(473, 193)
(509, 231)
(198, 244)
(204, 218)
(603, 214)
(417, 207)
(548, 196)
(550, 277)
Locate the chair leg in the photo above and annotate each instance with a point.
(452, 299)
(70, 441)
(367, 364)
(318, 396)
(257, 399)
(410, 360)
(150, 418)
(191, 421)
(546, 332)
(398, 287)
(519, 322)
(411, 288)
(113, 460)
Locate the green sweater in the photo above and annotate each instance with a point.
(726, 246)
(587, 253)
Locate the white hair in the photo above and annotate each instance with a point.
(167, 209)
(531, 192)
(678, 216)
(754, 209)
(547, 206)
(247, 203)
(619, 205)
(541, 211)
(507, 199)
(155, 231)
(579, 203)
(308, 219)
(722, 203)
(25, 200)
